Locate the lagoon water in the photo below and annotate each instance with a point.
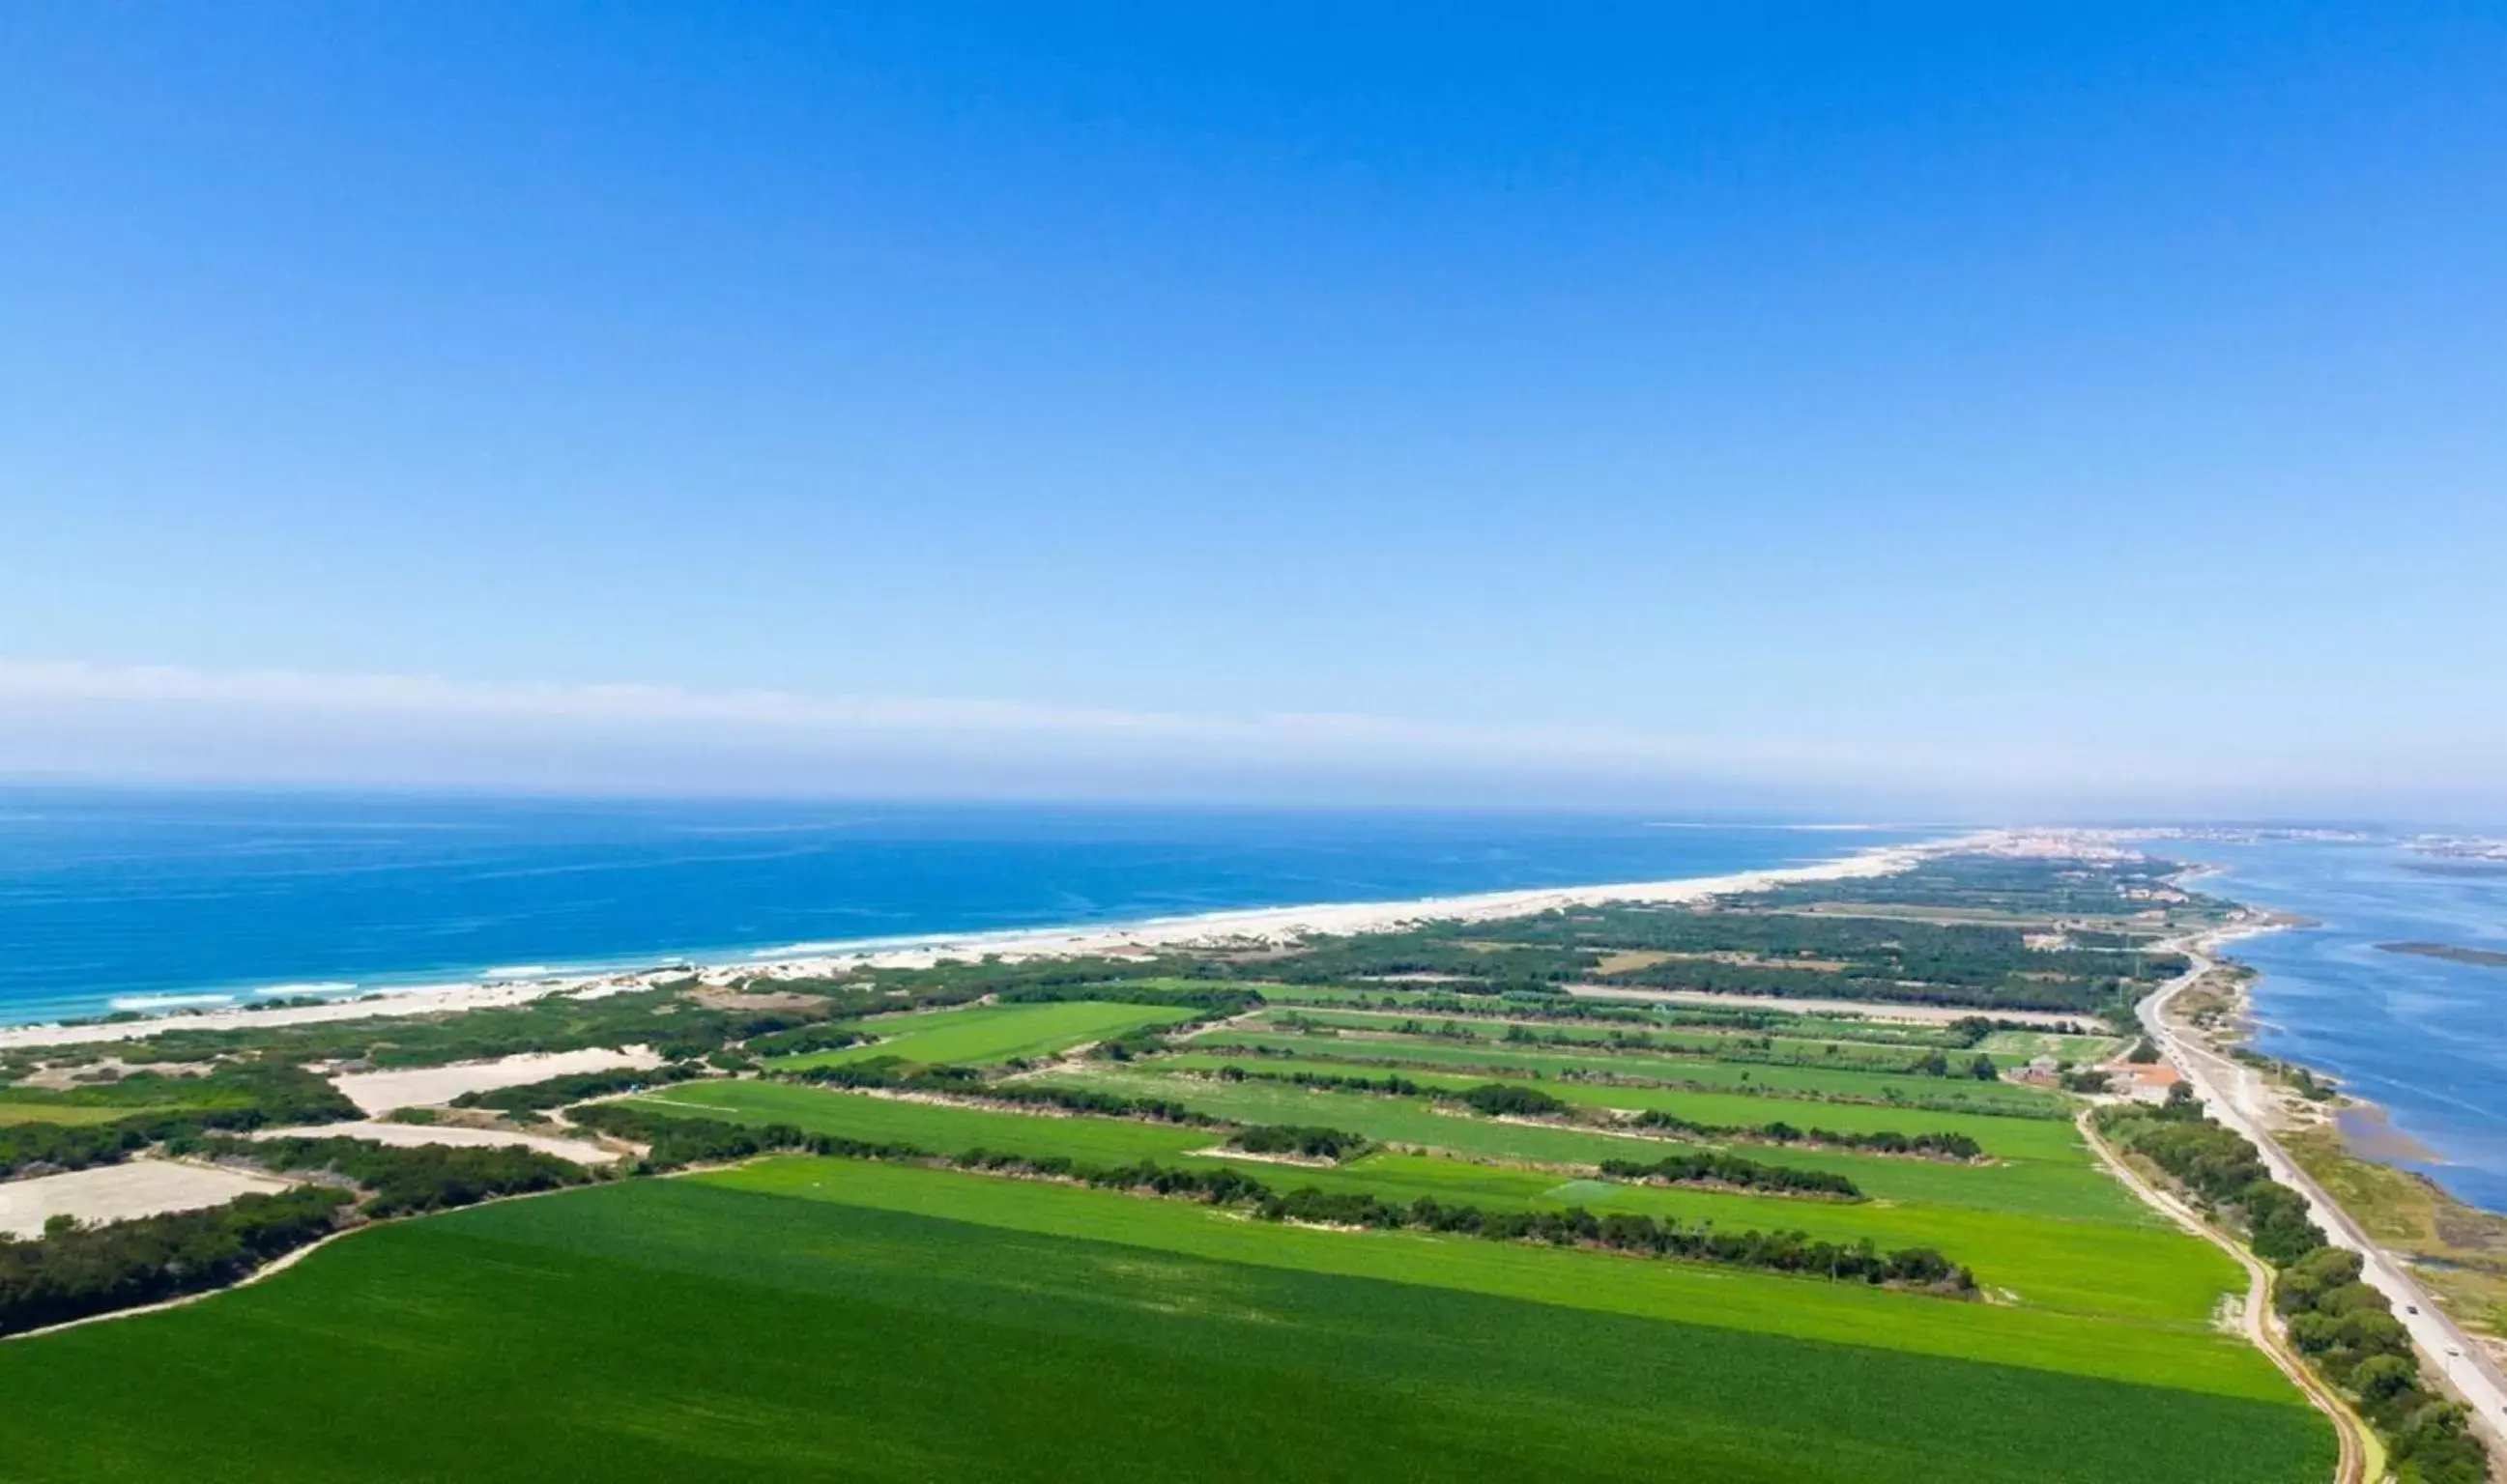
(2424, 1037)
(149, 901)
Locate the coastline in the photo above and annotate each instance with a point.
(2239, 1095)
(1251, 926)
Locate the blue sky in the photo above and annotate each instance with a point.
(2098, 409)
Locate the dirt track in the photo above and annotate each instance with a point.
(2358, 1445)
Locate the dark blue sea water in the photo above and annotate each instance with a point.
(2424, 1037)
(152, 900)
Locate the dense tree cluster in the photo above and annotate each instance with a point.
(675, 1142)
(1878, 1142)
(1512, 1099)
(77, 1271)
(2223, 1170)
(1220, 1187)
(1712, 1166)
(404, 1181)
(238, 1096)
(575, 1087)
(1305, 1142)
(2349, 1331)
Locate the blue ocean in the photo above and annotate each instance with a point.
(2424, 1037)
(158, 900)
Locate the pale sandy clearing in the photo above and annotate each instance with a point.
(411, 1136)
(142, 1187)
(381, 1092)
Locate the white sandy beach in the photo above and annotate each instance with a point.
(1256, 927)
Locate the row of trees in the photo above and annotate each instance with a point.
(1503, 1100)
(2222, 1169)
(1301, 1140)
(77, 1271)
(1784, 1252)
(404, 1181)
(1391, 1082)
(2348, 1330)
(2345, 1327)
(1713, 1166)
(1878, 1142)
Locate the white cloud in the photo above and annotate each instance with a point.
(75, 720)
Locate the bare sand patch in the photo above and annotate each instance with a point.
(142, 1187)
(411, 1136)
(381, 1092)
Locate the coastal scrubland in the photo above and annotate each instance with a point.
(1389, 1203)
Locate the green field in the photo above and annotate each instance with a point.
(2091, 1267)
(61, 1112)
(940, 1128)
(2023, 1137)
(980, 1036)
(2072, 1189)
(816, 1318)
(2083, 1267)
(1699, 1040)
(1722, 1076)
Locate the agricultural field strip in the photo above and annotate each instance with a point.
(980, 1034)
(1695, 1040)
(2169, 1356)
(73, 1113)
(2002, 1138)
(1664, 1018)
(1735, 1076)
(2085, 1267)
(2042, 1187)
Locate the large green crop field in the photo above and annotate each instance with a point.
(817, 1319)
(984, 1034)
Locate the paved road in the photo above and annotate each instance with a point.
(2237, 1095)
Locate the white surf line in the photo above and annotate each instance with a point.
(1263, 924)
